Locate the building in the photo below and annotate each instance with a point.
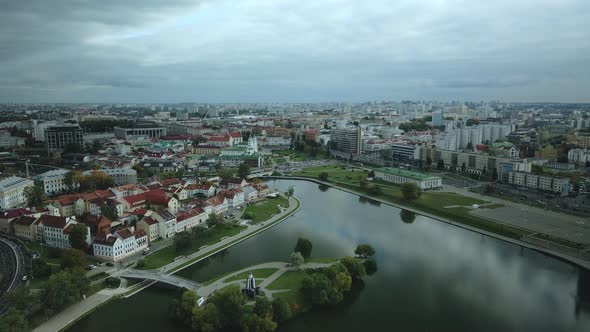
(151, 227)
(405, 152)
(540, 182)
(234, 197)
(53, 182)
(120, 176)
(54, 231)
(166, 223)
(122, 244)
(7, 141)
(186, 220)
(127, 133)
(25, 227)
(57, 137)
(347, 140)
(218, 204)
(578, 156)
(396, 175)
(438, 118)
(12, 192)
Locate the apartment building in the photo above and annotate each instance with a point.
(12, 192)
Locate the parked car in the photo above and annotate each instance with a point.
(25, 278)
(91, 267)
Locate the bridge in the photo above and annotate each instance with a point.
(161, 277)
(260, 173)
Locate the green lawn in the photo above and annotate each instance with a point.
(264, 210)
(298, 155)
(326, 260)
(167, 255)
(258, 274)
(289, 280)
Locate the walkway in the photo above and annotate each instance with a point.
(282, 267)
(161, 277)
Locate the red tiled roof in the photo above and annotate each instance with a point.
(150, 221)
(136, 199)
(183, 215)
(169, 182)
(15, 213)
(139, 233)
(235, 134)
(216, 200)
(218, 138)
(53, 221)
(124, 233)
(139, 212)
(24, 221)
(157, 196)
(109, 240)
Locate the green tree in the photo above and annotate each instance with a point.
(371, 174)
(207, 319)
(244, 170)
(375, 190)
(494, 174)
(63, 289)
(73, 259)
(363, 182)
(281, 310)
(364, 250)
(226, 173)
(354, 267)
(290, 192)
(440, 165)
(230, 303)
(263, 307)
(198, 232)
(78, 236)
(370, 266)
(463, 167)
(316, 288)
(71, 180)
(35, 195)
(410, 191)
(296, 259)
(14, 321)
(323, 176)
(407, 216)
(469, 146)
(40, 268)
(109, 212)
(182, 241)
(254, 323)
(214, 220)
(73, 148)
(304, 247)
(184, 308)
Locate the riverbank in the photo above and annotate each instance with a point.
(77, 311)
(563, 256)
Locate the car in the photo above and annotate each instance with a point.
(25, 278)
(91, 267)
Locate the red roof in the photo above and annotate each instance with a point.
(136, 199)
(53, 221)
(216, 200)
(124, 233)
(235, 134)
(157, 196)
(150, 221)
(15, 213)
(169, 182)
(139, 212)
(24, 221)
(139, 233)
(219, 138)
(183, 215)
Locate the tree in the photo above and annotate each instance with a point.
(354, 267)
(428, 162)
(281, 311)
(226, 173)
(40, 268)
(244, 170)
(182, 241)
(206, 319)
(315, 288)
(364, 250)
(198, 232)
(363, 182)
(463, 167)
(78, 236)
(14, 321)
(375, 190)
(109, 212)
(263, 307)
(494, 174)
(73, 259)
(407, 216)
(410, 191)
(230, 303)
(35, 195)
(471, 122)
(214, 220)
(469, 146)
(183, 310)
(304, 247)
(296, 259)
(371, 174)
(63, 289)
(71, 180)
(323, 176)
(587, 164)
(290, 192)
(440, 164)
(370, 266)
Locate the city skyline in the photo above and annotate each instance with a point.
(285, 51)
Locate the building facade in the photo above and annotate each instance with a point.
(396, 175)
(12, 192)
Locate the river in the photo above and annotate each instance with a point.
(431, 276)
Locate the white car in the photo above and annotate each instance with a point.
(25, 278)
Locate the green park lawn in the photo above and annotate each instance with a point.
(298, 155)
(289, 280)
(264, 210)
(258, 274)
(166, 255)
(326, 260)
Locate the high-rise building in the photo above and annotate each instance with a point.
(57, 137)
(12, 192)
(347, 140)
(438, 118)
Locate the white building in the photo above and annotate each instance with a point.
(578, 156)
(121, 176)
(52, 181)
(122, 244)
(396, 175)
(54, 231)
(12, 192)
(166, 223)
(186, 220)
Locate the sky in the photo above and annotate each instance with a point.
(152, 51)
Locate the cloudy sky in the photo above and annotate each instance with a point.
(294, 50)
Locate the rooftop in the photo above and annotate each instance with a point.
(406, 174)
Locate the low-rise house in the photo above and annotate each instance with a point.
(218, 204)
(53, 182)
(205, 189)
(7, 217)
(12, 192)
(396, 175)
(234, 183)
(186, 220)
(99, 226)
(54, 231)
(70, 205)
(25, 227)
(263, 189)
(122, 244)
(166, 223)
(235, 197)
(250, 193)
(151, 227)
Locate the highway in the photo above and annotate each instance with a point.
(15, 263)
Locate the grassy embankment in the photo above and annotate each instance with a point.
(436, 203)
(265, 209)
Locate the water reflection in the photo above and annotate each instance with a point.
(323, 187)
(407, 216)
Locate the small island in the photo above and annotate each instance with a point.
(286, 289)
